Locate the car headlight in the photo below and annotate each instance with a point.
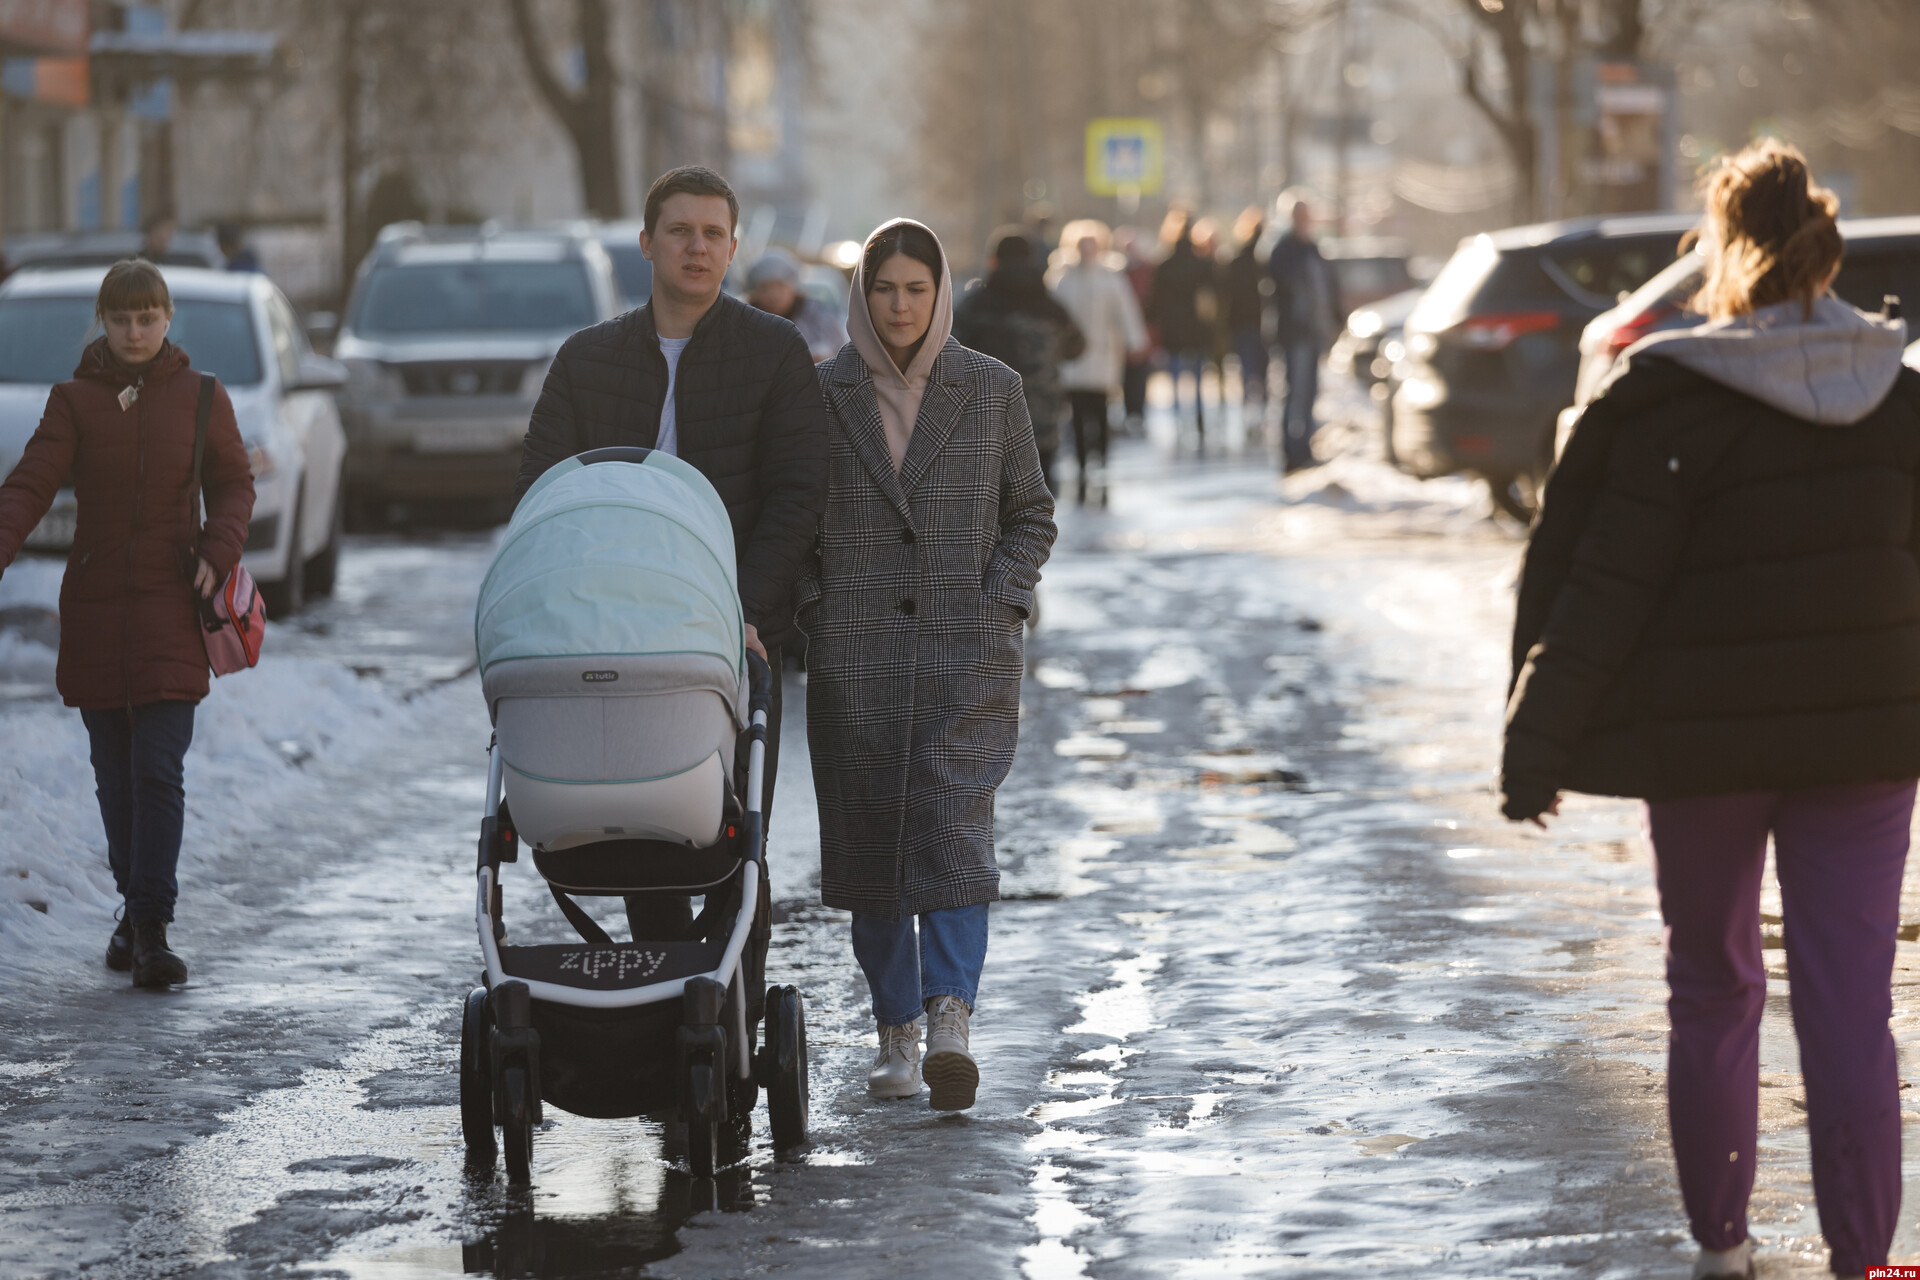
(372, 380)
(259, 461)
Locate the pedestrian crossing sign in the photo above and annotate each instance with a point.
(1123, 157)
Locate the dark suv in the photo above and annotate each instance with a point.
(447, 341)
(1493, 348)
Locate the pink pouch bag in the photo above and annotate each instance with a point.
(233, 620)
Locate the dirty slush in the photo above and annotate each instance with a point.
(1273, 990)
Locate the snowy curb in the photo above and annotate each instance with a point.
(252, 738)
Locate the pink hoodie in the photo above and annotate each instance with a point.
(899, 393)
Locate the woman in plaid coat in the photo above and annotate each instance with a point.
(915, 608)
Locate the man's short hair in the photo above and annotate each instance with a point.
(692, 180)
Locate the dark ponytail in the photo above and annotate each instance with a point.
(902, 237)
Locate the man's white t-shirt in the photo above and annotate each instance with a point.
(669, 440)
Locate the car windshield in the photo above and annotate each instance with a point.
(1603, 272)
(475, 297)
(635, 272)
(1872, 273)
(41, 338)
(1447, 300)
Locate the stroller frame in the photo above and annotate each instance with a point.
(716, 1072)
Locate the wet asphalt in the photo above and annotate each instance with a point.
(1273, 991)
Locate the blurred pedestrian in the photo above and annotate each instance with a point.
(938, 523)
(1213, 305)
(1307, 315)
(1720, 613)
(1128, 242)
(232, 239)
(1247, 289)
(1182, 310)
(729, 389)
(132, 659)
(156, 236)
(773, 285)
(1011, 317)
(1091, 285)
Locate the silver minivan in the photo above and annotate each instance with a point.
(447, 339)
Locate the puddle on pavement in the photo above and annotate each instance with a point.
(523, 1242)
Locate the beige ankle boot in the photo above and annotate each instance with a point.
(951, 1074)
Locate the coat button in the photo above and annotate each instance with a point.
(906, 535)
(906, 606)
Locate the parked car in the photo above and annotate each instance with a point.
(58, 251)
(239, 327)
(1882, 261)
(621, 240)
(1368, 268)
(448, 335)
(1493, 346)
(1360, 350)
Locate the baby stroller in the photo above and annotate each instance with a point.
(611, 652)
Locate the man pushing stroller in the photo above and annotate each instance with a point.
(723, 386)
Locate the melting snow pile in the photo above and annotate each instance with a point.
(252, 738)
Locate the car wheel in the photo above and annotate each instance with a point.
(324, 567)
(286, 597)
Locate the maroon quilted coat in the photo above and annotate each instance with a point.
(129, 627)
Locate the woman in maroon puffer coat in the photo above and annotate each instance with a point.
(131, 657)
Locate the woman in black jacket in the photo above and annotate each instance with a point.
(1720, 613)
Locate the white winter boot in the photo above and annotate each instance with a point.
(896, 1071)
(1735, 1263)
(951, 1074)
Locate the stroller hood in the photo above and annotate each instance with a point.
(614, 559)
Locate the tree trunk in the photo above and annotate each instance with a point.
(354, 237)
(1513, 121)
(586, 115)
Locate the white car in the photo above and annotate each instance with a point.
(239, 327)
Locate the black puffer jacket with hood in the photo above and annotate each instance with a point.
(1723, 591)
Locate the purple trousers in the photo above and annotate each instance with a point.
(1839, 853)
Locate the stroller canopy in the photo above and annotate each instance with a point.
(614, 559)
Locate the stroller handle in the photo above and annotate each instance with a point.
(759, 683)
(613, 453)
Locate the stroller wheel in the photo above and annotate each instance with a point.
(476, 1080)
(517, 1125)
(785, 1063)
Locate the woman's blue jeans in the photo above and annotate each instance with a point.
(904, 972)
(139, 772)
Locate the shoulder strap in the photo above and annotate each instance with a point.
(202, 413)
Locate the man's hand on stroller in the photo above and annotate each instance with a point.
(753, 642)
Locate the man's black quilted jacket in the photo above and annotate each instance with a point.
(749, 416)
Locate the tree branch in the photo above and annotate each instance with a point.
(533, 51)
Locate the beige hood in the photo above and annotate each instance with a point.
(899, 393)
(1833, 369)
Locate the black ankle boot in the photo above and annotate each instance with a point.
(120, 947)
(153, 964)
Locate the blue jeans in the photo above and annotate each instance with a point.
(1296, 417)
(139, 771)
(1180, 363)
(951, 951)
(1250, 344)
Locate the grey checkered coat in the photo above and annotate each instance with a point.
(915, 610)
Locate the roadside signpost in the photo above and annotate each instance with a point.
(1125, 158)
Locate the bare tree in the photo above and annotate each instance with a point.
(586, 113)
